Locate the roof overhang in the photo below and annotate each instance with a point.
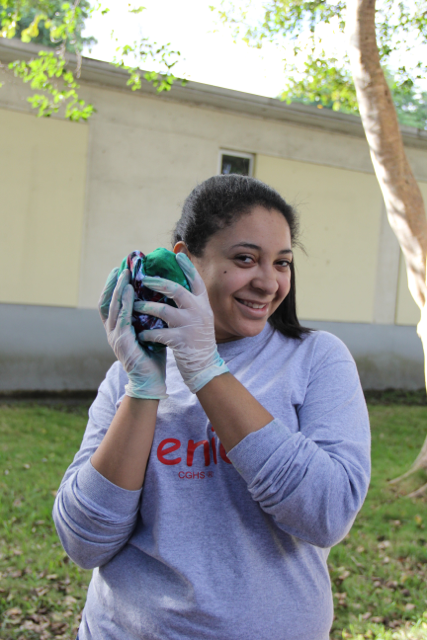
(96, 72)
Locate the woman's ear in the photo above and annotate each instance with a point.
(181, 247)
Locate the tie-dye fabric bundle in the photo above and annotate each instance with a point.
(159, 263)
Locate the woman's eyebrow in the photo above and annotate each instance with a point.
(249, 245)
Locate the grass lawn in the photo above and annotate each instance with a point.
(379, 572)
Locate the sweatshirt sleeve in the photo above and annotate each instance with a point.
(314, 482)
(93, 517)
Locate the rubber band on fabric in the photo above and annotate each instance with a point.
(159, 263)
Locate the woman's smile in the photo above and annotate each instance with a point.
(260, 308)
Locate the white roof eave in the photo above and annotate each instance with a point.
(97, 72)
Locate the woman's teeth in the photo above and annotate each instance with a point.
(252, 305)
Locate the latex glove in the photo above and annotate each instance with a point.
(190, 331)
(146, 370)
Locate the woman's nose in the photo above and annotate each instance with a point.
(266, 281)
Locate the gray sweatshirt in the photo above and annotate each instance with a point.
(223, 546)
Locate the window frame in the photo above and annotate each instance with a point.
(236, 154)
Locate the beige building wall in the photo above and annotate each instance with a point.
(42, 185)
(340, 222)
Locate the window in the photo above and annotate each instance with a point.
(234, 162)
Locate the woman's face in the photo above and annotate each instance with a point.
(246, 270)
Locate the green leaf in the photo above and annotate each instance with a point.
(138, 10)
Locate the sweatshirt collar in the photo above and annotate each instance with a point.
(228, 350)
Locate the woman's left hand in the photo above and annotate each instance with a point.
(190, 332)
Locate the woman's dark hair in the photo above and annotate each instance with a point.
(218, 202)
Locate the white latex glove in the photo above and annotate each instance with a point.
(146, 370)
(190, 331)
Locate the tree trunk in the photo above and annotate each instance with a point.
(401, 193)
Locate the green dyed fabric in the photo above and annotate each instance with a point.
(159, 263)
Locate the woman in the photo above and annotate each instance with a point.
(210, 514)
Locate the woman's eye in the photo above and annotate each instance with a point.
(245, 259)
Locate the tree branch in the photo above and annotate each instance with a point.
(402, 196)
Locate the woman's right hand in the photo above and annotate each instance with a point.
(146, 370)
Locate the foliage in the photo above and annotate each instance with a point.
(322, 85)
(63, 26)
(141, 52)
(396, 396)
(59, 24)
(331, 90)
(48, 72)
(378, 572)
(411, 107)
(41, 73)
(41, 33)
(310, 34)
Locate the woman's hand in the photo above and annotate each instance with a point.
(190, 331)
(146, 370)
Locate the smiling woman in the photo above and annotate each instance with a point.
(226, 207)
(246, 268)
(210, 514)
